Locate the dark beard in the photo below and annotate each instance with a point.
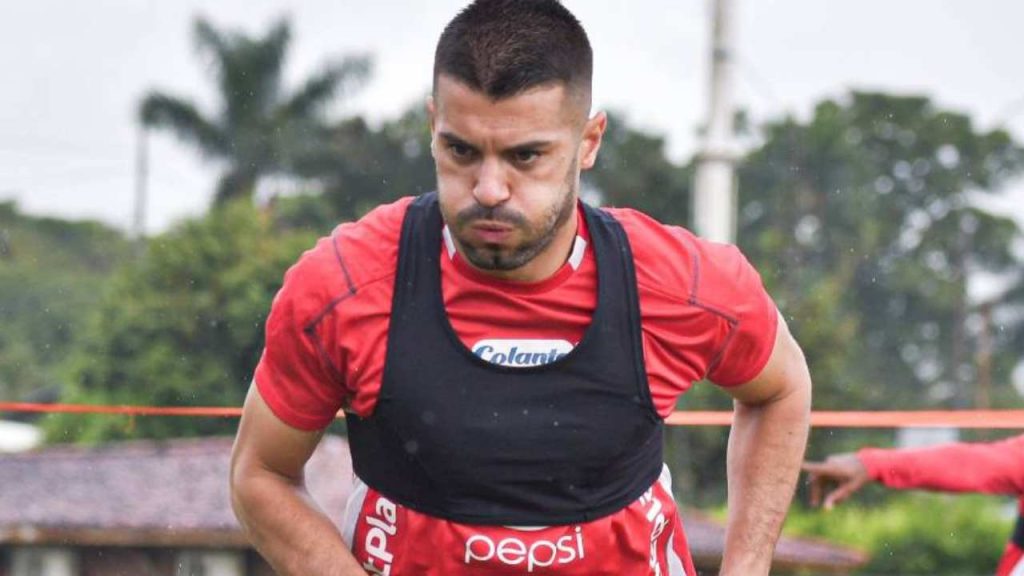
(494, 257)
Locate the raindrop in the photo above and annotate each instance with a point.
(902, 170)
(948, 156)
(807, 229)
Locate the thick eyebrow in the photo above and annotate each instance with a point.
(530, 145)
(453, 139)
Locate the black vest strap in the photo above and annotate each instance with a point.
(457, 437)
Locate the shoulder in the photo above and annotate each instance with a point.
(672, 256)
(706, 291)
(355, 255)
(712, 273)
(367, 250)
(662, 254)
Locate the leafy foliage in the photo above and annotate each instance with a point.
(51, 273)
(184, 326)
(862, 225)
(915, 534)
(632, 170)
(361, 167)
(260, 129)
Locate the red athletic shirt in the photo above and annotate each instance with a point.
(990, 468)
(705, 314)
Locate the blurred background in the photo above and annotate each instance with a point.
(161, 164)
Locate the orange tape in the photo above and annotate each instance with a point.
(208, 411)
(992, 419)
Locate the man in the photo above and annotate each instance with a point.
(991, 468)
(505, 354)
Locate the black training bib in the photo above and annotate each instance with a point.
(457, 437)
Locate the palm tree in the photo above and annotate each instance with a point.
(259, 129)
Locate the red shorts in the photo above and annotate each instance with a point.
(645, 538)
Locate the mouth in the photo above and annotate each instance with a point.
(490, 232)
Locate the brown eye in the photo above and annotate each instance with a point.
(526, 156)
(460, 151)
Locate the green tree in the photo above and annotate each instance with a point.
(52, 273)
(632, 170)
(183, 326)
(906, 537)
(862, 224)
(361, 167)
(260, 128)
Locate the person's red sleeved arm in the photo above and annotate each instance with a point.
(730, 286)
(295, 376)
(992, 468)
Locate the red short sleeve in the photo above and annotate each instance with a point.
(727, 283)
(295, 376)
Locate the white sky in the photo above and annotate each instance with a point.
(71, 74)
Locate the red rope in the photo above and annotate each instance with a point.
(992, 419)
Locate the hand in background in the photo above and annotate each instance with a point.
(837, 478)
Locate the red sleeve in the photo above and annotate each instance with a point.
(295, 377)
(992, 468)
(324, 343)
(728, 285)
(706, 312)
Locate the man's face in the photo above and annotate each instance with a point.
(508, 174)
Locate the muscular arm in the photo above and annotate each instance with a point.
(271, 502)
(766, 444)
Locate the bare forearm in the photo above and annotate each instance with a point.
(766, 446)
(289, 530)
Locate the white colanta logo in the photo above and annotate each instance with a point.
(521, 353)
(513, 551)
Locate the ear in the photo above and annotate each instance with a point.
(431, 119)
(593, 131)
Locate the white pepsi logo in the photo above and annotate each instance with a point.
(521, 353)
(512, 551)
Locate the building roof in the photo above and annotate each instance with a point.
(175, 493)
(171, 493)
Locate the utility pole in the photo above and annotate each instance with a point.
(983, 359)
(141, 183)
(714, 198)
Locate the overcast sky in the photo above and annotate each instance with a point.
(72, 72)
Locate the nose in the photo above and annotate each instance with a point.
(491, 186)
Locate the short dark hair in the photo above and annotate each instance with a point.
(505, 47)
